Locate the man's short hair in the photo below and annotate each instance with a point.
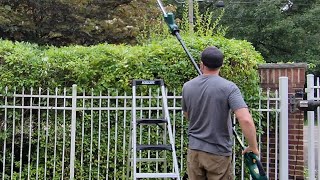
(212, 57)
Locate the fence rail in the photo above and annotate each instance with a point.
(64, 133)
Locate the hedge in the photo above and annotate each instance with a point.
(108, 66)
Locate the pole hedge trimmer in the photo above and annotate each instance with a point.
(251, 160)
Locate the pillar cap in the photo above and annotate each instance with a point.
(283, 66)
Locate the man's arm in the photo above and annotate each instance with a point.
(186, 114)
(183, 102)
(248, 129)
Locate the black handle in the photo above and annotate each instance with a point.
(261, 170)
(258, 162)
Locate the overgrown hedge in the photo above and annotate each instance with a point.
(108, 66)
(113, 66)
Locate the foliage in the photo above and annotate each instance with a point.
(113, 66)
(280, 36)
(85, 22)
(108, 66)
(205, 25)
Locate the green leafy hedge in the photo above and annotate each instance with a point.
(113, 66)
(107, 66)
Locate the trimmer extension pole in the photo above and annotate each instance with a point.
(169, 19)
(188, 53)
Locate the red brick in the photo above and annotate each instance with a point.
(295, 131)
(295, 152)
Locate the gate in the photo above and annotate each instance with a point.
(313, 129)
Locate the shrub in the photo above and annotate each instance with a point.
(113, 66)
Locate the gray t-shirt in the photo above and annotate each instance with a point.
(209, 100)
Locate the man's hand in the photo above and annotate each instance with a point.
(250, 149)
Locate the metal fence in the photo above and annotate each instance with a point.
(67, 133)
(313, 131)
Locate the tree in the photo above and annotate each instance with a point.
(280, 34)
(65, 22)
(282, 30)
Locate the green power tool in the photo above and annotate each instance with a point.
(255, 167)
(251, 160)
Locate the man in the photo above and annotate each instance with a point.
(207, 101)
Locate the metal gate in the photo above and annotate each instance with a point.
(313, 129)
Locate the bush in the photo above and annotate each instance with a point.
(107, 66)
(113, 66)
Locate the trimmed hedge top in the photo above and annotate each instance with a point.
(106, 66)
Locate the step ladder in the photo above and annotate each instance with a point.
(160, 148)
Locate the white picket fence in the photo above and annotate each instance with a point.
(67, 134)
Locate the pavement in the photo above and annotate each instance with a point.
(305, 145)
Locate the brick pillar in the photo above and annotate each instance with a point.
(269, 74)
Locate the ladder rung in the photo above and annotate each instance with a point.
(158, 147)
(151, 121)
(150, 159)
(157, 175)
(148, 82)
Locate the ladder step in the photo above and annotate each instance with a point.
(151, 121)
(150, 159)
(147, 82)
(158, 147)
(157, 175)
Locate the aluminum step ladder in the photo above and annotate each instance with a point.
(160, 148)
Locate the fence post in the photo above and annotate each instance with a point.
(73, 130)
(311, 155)
(283, 145)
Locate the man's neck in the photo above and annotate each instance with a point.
(207, 72)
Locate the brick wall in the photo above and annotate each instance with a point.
(296, 73)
